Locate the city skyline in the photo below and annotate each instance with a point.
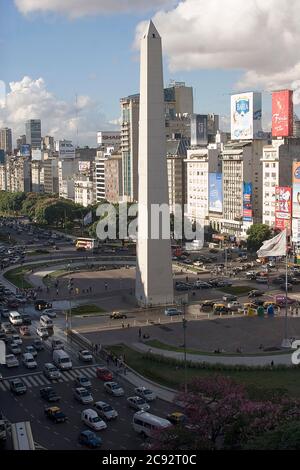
(44, 84)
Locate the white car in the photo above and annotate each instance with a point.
(42, 332)
(82, 381)
(28, 361)
(11, 360)
(114, 389)
(16, 339)
(234, 305)
(50, 312)
(170, 312)
(145, 393)
(85, 356)
(15, 348)
(92, 420)
(31, 350)
(105, 410)
(138, 404)
(83, 395)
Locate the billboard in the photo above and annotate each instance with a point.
(36, 154)
(84, 167)
(25, 150)
(215, 192)
(65, 148)
(296, 231)
(109, 138)
(247, 203)
(199, 132)
(246, 115)
(282, 113)
(296, 189)
(283, 207)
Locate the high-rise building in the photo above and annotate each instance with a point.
(6, 140)
(21, 141)
(100, 176)
(37, 176)
(18, 174)
(50, 167)
(176, 154)
(113, 178)
(34, 133)
(154, 280)
(48, 143)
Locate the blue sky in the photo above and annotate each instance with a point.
(94, 56)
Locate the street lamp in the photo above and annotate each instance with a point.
(184, 326)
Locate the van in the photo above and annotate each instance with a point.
(61, 359)
(15, 318)
(46, 322)
(57, 344)
(146, 423)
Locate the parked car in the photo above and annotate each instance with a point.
(145, 393)
(17, 386)
(105, 410)
(83, 395)
(55, 414)
(49, 394)
(104, 374)
(85, 356)
(171, 311)
(89, 439)
(113, 388)
(138, 403)
(92, 420)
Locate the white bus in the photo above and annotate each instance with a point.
(86, 244)
(22, 436)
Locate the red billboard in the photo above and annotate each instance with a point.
(283, 207)
(282, 113)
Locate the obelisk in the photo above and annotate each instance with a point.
(154, 280)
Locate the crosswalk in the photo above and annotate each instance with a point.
(39, 380)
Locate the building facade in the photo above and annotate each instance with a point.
(113, 178)
(34, 133)
(6, 140)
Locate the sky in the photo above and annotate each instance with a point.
(54, 50)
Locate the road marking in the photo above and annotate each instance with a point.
(2, 386)
(39, 380)
(26, 381)
(68, 375)
(31, 381)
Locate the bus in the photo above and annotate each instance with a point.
(86, 244)
(22, 436)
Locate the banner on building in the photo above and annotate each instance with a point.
(296, 190)
(247, 203)
(282, 113)
(246, 116)
(84, 167)
(296, 230)
(25, 150)
(199, 132)
(215, 192)
(283, 208)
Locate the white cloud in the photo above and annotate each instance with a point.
(260, 37)
(77, 8)
(30, 99)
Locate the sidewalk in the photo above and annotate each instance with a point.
(263, 360)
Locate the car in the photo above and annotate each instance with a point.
(4, 312)
(92, 420)
(182, 287)
(83, 395)
(113, 388)
(85, 356)
(8, 328)
(31, 350)
(171, 311)
(229, 298)
(24, 331)
(49, 394)
(57, 344)
(11, 360)
(15, 348)
(282, 300)
(42, 332)
(117, 315)
(82, 381)
(26, 319)
(21, 299)
(255, 293)
(89, 439)
(202, 285)
(145, 393)
(50, 312)
(55, 414)
(105, 410)
(51, 372)
(177, 418)
(28, 361)
(17, 386)
(42, 305)
(138, 403)
(220, 309)
(38, 345)
(234, 306)
(207, 304)
(104, 374)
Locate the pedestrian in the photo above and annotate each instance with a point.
(128, 326)
(272, 363)
(96, 348)
(123, 326)
(140, 333)
(57, 292)
(106, 286)
(90, 289)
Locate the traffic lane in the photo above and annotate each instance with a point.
(118, 435)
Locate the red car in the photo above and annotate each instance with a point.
(104, 374)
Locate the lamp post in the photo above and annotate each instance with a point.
(184, 326)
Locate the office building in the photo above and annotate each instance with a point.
(34, 133)
(6, 140)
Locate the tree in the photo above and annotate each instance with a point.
(257, 234)
(284, 437)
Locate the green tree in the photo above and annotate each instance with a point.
(257, 234)
(284, 437)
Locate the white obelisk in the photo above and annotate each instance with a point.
(154, 280)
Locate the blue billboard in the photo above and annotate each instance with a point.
(25, 150)
(215, 192)
(247, 203)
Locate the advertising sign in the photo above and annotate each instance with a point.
(296, 190)
(282, 113)
(84, 167)
(296, 172)
(36, 154)
(246, 115)
(296, 231)
(215, 192)
(283, 207)
(25, 150)
(247, 202)
(109, 138)
(199, 132)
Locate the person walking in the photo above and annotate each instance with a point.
(140, 333)
(106, 286)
